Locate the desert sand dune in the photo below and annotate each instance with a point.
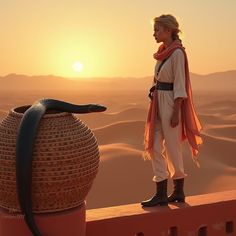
(103, 119)
(219, 149)
(209, 120)
(128, 178)
(223, 107)
(222, 183)
(130, 132)
(123, 177)
(222, 131)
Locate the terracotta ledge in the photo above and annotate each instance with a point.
(213, 213)
(69, 222)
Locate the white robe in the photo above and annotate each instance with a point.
(169, 163)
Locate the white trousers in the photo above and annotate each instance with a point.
(168, 158)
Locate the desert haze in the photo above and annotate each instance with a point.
(215, 82)
(124, 177)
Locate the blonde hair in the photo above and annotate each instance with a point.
(169, 21)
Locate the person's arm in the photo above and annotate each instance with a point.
(178, 64)
(177, 104)
(179, 84)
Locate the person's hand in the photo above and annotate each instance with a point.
(150, 95)
(152, 89)
(174, 120)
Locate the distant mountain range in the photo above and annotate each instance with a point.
(215, 81)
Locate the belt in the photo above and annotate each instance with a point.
(164, 86)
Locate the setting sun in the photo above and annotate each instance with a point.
(77, 66)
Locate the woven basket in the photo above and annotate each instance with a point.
(65, 161)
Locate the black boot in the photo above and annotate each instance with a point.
(178, 193)
(160, 198)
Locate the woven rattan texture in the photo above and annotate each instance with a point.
(65, 162)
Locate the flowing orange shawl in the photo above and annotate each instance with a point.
(191, 125)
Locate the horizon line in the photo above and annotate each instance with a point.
(87, 77)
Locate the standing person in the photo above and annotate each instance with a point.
(171, 116)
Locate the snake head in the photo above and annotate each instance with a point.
(96, 108)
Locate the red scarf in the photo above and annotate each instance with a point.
(191, 125)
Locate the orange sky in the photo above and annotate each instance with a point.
(111, 38)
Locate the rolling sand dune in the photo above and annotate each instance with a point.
(132, 112)
(220, 108)
(209, 120)
(219, 149)
(222, 131)
(128, 178)
(130, 132)
(124, 177)
(224, 181)
(109, 118)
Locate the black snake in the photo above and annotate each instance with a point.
(24, 149)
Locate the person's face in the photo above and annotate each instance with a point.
(160, 33)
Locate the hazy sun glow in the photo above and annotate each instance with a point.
(77, 66)
(80, 46)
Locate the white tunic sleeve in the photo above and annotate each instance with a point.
(179, 74)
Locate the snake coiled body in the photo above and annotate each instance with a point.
(24, 149)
